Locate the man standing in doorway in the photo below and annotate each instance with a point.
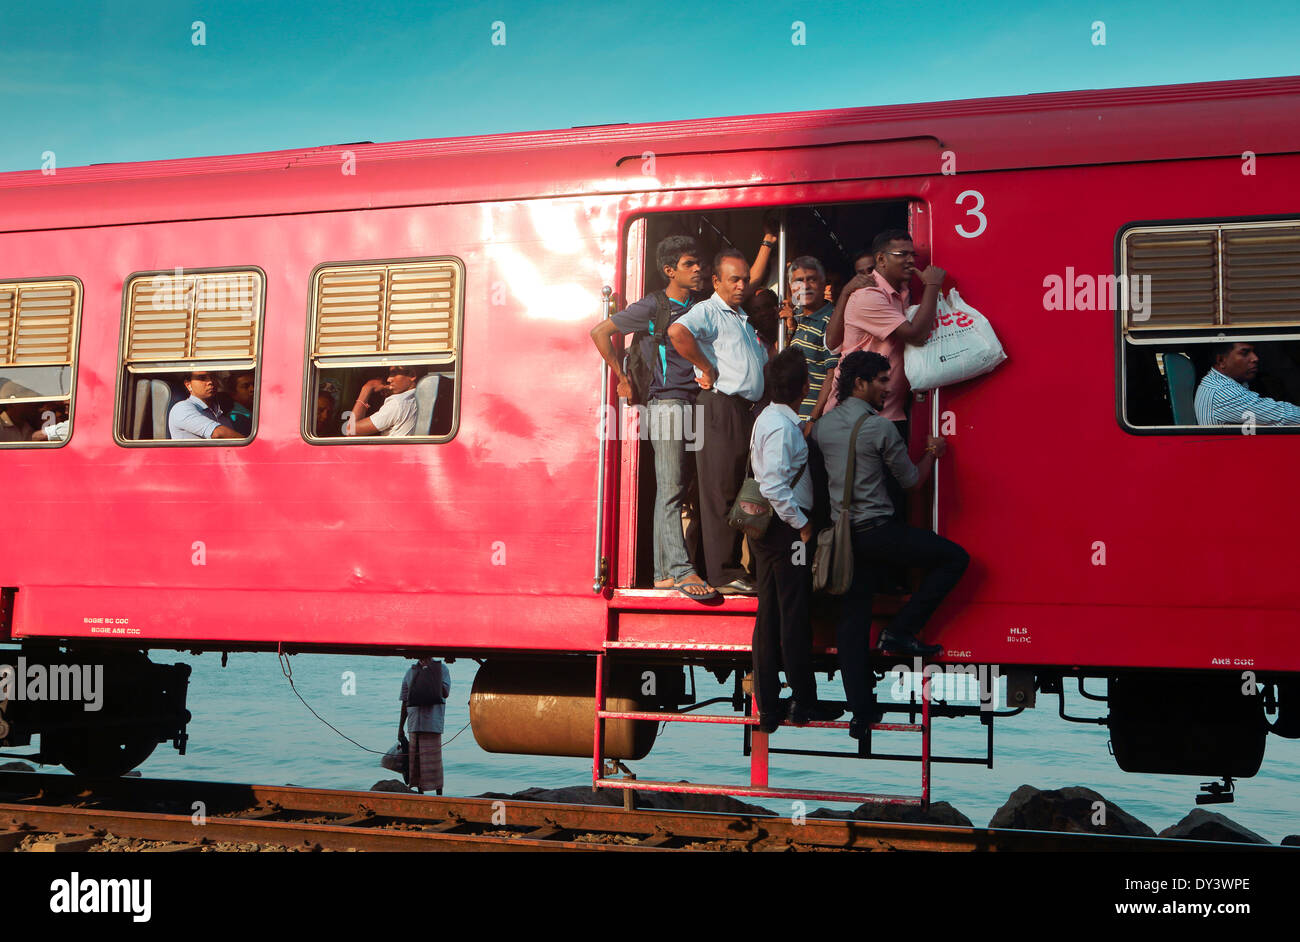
(718, 340)
(671, 394)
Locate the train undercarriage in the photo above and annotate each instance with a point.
(100, 711)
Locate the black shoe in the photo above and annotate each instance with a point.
(738, 587)
(859, 726)
(819, 712)
(906, 644)
(769, 724)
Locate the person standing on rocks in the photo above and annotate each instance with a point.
(425, 689)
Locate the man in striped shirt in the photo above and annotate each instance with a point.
(1223, 398)
(807, 327)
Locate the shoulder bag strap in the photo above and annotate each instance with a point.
(852, 464)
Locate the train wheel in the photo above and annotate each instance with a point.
(99, 753)
(1186, 725)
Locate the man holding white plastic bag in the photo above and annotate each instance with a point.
(875, 318)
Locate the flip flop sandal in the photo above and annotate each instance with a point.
(705, 597)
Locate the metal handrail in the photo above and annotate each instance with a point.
(600, 575)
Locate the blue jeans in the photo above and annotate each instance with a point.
(674, 466)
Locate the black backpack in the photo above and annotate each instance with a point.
(426, 686)
(640, 371)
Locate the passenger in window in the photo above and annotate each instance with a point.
(879, 539)
(241, 395)
(763, 308)
(54, 423)
(201, 415)
(18, 420)
(718, 340)
(326, 407)
(670, 394)
(783, 628)
(1223, 398)
(397, 415)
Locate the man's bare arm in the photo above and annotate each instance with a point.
(222, 431)
(602, 335)
(684, 342)
(918, 330)
(835, 327)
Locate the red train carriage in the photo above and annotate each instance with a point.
(1108, 538)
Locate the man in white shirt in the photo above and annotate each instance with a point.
(1223, 398)
(718, 340)
(783, 629)
(397, 415)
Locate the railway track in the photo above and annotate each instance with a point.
(59, 813)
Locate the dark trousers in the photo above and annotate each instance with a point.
(874, 549)
(720, 469)
(783, 629)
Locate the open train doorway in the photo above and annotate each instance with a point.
(833, 233)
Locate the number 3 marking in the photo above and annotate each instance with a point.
(973, 211)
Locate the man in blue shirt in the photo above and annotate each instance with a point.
(718, 340)
(200, 416)
(672, 391)
(1223, 398)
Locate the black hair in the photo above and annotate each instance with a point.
(785, 375)
(881, 242)
(728, 253)
(669, 251)
(865, 253)
(1221, 349)
(861, 364)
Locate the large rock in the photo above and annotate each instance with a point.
(940, 813)
(1202, 825)
(1064, 809)
(1291, 840)
(389, 785)
(16, 767)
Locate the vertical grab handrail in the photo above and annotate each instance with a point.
(934, 430)
(601, 566)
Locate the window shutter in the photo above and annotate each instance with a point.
(38, 322)
(1261, 276)
(387, 309)
(208, 315)
(1183, 267)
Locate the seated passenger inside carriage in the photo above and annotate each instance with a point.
(397, 415)
(1224, 398)
(54, 422)
(202, 415)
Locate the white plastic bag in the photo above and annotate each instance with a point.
(961, 346)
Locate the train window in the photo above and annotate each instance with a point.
(383, 351)
(39, 319)
(1186, 292)
(190, 345)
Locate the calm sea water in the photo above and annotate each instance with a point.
(249, 726)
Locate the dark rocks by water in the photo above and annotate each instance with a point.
(1065, 809)
(661, 801)
(16, 767)
(1202, 825)
(389, 785)
(1291, 840)
(939, 812)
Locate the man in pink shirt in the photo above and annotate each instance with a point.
(874, 318)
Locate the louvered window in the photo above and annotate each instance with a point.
(180, 327)
(202, 316)
(370, 318)
(1209, 295)
(38, 340)
(1214, 277)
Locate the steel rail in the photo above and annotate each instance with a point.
(366, 821)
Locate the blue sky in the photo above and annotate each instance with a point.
(122, 80)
